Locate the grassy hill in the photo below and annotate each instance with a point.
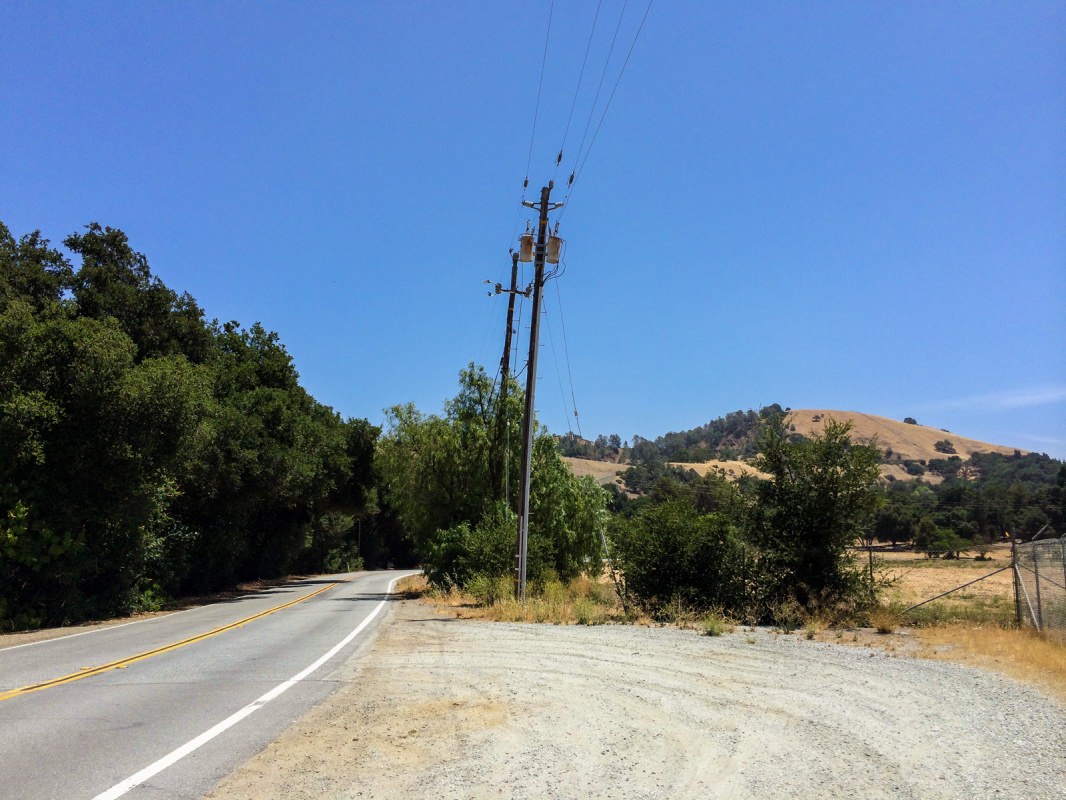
(899, 441)
(907, 441)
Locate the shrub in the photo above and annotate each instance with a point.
(713, 624)
(671, 552)
(488, 590)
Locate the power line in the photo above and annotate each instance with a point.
(577, 90)
(540, 85)
(555, 360)
(580, 167)
(599, 87)
(566, 353)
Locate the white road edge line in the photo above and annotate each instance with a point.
(192, 745)
(101, 629)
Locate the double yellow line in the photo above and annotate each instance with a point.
(125, 662)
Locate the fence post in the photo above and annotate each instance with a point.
(1039, 602)
(1017, 580)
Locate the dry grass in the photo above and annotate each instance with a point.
(916, 578)
(583, 601)
(908, 441)
(1023, 655)
(603, 472)
(731, 469)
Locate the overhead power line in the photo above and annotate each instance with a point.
(579, 168)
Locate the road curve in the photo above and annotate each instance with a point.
(167, 707)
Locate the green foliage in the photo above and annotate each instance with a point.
(604, 448)
(934, 541)
(820, 498)
(144, 452)
(437, 476)
(980, 499)
(671, 552)
(457, 555)
(944, 446)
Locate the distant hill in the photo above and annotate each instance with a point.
(904, 440)
(727, 443)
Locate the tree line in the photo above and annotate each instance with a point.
(148, 453)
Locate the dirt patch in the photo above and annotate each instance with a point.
(455, 708)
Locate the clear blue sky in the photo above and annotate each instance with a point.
(849, 205)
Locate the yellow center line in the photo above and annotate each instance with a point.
(124, 662)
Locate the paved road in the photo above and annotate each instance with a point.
(89, 737)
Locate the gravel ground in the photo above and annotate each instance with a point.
(448, 708)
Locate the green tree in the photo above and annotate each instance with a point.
(144, 452)
(671, 552)
(436, 476)
(820, 498)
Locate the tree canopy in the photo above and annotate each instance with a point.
(146, 452)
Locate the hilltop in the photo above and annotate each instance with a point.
(727, 444)
(899, 440)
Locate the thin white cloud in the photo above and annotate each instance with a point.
(1004, 401)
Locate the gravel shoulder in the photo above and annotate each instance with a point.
(440, 707)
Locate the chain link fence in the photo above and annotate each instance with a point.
(1040, 586)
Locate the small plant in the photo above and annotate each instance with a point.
(788, 616)
(884, 620)
(489, 590)
(713, 624)
(586, 612)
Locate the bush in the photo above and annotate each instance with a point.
(714, 624)
(462, 552)
(488, 590)
(672, 553)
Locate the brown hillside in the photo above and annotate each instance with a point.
(603, 472)
(731, 469)
(906, 441)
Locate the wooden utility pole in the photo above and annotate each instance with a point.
(531, 383)
(503, 429)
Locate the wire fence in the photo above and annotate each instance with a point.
(1040, 586)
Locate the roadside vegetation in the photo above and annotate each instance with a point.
(148, 453)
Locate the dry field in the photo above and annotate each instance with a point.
(916, 578)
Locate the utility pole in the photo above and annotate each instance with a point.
(502, 479)
(531, 383)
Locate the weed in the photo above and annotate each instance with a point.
(884, 619)
(488, 590)
(587, 612)
(713, 624)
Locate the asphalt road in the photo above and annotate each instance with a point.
(189, 710)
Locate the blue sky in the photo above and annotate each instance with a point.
(848, 205)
